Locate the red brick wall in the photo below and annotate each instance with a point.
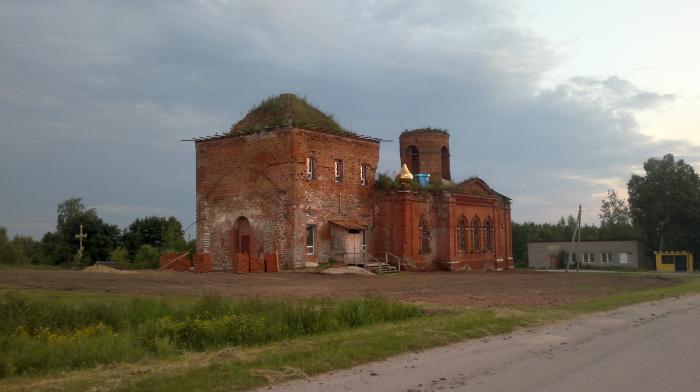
(262, 177)
(323, 199)
(202, 263)
(249, 176)
(397, 229)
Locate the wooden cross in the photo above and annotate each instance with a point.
(81, 237)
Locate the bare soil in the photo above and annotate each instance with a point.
(510, 288)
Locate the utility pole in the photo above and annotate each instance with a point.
(578, 222)
(577, 230)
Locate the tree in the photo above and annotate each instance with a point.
(665, 203)
(61, 246)
(158, 232)
(614, 210)
(616, 219)
(20, 250)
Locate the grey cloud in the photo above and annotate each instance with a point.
(96, 96)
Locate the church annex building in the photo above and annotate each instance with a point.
(288, 184)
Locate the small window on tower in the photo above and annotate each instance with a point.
(338, 170)
(310, 168)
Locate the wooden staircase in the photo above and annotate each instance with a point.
(381, 268)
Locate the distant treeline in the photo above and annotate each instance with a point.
(663, 211)
(137, 246)
(563, 230)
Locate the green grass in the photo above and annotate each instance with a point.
(245, 367)
(286, 110)
(39, 334)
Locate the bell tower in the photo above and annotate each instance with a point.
(427, 150)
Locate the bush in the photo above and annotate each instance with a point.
(146, 257)
(385, 182)
(119, 255)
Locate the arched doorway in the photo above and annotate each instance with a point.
(445, 158)
(240, 240)
(413, 159)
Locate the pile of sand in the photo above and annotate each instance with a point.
(104, 268)
(351, 270)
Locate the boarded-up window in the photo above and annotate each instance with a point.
(476, 234)
(488, 228)
(462, 236)
(424, 237)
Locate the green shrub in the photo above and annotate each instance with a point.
(146, 257)
(119, 255)
(386, 182)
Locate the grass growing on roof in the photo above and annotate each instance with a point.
(286, 110)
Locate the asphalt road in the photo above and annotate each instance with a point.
(646, 347)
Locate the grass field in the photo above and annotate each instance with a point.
(78, 341)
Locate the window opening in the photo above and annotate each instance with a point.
(338, 170)
(310, 168)
(310, 239)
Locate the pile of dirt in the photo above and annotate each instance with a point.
(351, 270)
(104, 268)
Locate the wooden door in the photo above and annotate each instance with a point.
(245, 244)
(353, 248)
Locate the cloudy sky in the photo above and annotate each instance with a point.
(552, 103)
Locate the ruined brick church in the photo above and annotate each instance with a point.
(288, 185)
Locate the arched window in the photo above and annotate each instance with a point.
(462, 236)
(424, 237)
(445, 157)
(476, 234)
(413, 159)
(310, 168)
(488, 228)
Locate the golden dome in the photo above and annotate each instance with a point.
(405, 177)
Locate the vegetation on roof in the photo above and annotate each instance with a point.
(283, 111)
(426, 130)
(385, 182)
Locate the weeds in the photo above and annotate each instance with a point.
(41, 334)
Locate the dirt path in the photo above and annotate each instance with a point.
(472, 288)
(647, 347)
